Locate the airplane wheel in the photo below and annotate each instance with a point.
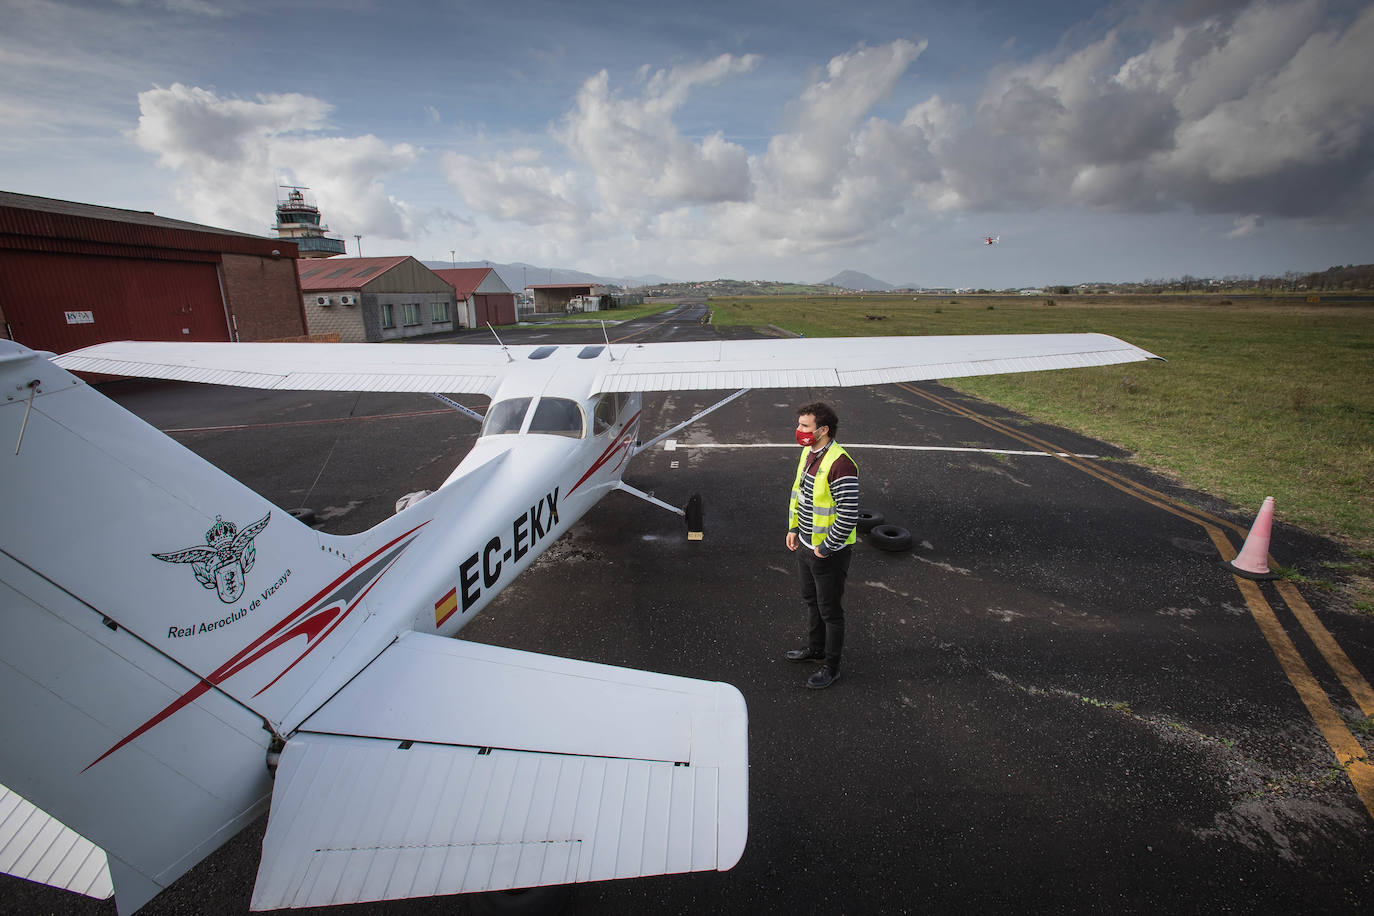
(307, 516)
(889, 538)
(867, 520)
(549, 900)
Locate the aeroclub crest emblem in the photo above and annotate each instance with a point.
(226, 558)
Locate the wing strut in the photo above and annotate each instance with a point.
(458, 407)
(685, 423)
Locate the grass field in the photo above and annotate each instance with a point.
(1259, 397)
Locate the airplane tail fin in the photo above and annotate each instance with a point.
(157, 620)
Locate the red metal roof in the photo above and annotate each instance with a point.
(342, 273)
(464, 280)
(45, 223)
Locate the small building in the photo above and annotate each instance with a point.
(372, 299)
(299, 220)
(551, 298)
(73, 275)
(483, 297)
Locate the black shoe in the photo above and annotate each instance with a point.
(804, 655)
(823, 678)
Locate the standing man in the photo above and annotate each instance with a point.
(821, 521)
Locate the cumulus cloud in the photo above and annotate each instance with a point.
(1245, 225)
(1253, 110)
(634, 151)
(229, 152)
(1262, 109)
(515, 186)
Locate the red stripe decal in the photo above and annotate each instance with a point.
(621, 441)
(315, 627)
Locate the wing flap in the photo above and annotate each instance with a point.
(380, 797)
(38, 847)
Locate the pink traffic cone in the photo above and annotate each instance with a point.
(1253, 560)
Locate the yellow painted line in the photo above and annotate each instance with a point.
(1326, 643)
(1350, 754)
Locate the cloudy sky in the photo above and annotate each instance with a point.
(750, 139)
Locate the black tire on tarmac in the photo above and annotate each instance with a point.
(868, 519)
(890, 538)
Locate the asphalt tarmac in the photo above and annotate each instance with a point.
(1057, 701)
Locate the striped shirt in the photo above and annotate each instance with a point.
(844, 487)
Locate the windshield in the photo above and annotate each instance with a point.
(505, 417)
(558, 417)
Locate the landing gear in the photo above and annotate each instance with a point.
(691, 513)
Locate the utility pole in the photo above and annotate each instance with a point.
(359, 239)
(453, 258)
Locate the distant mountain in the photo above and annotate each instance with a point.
(852, 279)
(519, 275)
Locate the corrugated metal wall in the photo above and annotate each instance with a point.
(127, 298)
(498, 308)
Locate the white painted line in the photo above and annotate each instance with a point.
(670, 445)
(900, 448)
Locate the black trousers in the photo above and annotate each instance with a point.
(822, 589)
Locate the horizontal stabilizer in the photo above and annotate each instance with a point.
(449, 767)
(38, 847)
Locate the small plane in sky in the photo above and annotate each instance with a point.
(991, 239)
(178, 655)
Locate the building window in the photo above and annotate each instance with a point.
(438, 312)
(412, 313)
(387, 320)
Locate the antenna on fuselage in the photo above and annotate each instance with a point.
(498, 340)
(608, 340)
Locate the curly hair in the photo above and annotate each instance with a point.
(824, 414)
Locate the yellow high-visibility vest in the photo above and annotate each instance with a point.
(822, 501)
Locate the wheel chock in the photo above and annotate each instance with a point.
(693, 513)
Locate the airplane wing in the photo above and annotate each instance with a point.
(824, 362)
(448, 766)
(300, 366)
(686, 365)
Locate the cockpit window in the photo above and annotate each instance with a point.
(607, 410)
(505, 417)
(558, 417)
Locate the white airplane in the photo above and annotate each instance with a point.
(177, 654)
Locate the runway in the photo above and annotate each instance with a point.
(1056, 701)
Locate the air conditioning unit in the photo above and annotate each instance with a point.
(323, 300)
(348, 300)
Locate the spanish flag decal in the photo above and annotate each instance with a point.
(445, 606)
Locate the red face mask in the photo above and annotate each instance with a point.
(804, 438)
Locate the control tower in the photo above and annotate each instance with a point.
(299, 221)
